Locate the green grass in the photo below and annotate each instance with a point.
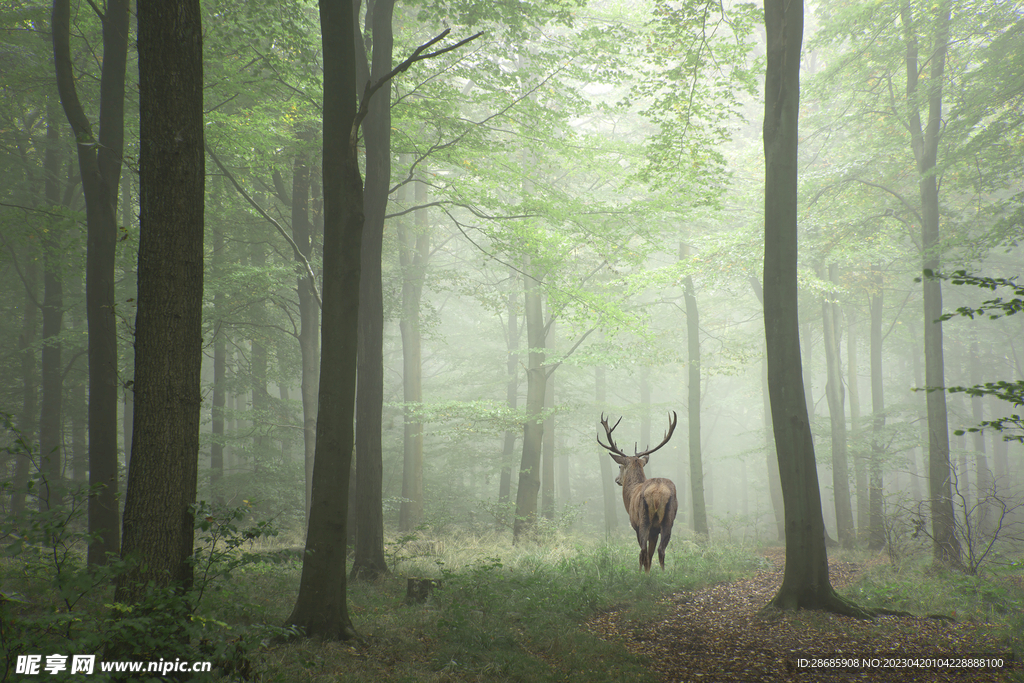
(501, 613)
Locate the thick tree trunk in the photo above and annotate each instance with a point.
(322, 608)
(158, 523)
(369, 562)
(533, 427)
(700, 514)
(837, 414)
(805, 583)
(925, 144)
(414, 251)
(99, 162)
(876, 531)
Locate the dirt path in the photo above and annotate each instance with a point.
(716, 634)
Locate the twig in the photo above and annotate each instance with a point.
(295, 248)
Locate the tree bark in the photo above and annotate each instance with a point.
(925, 144)
(322, 608)
(99, 162)
(158, 523)
(805, 583)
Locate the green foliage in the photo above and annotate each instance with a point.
(53, 603)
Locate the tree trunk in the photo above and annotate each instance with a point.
(984, 474)
(322, 608)
(533, 426)
(220, 365)
(51, 432)
(837, 414)
(548, 441)
(771, 458)
(700, 514)
(876, 485)
(511, 388)
(99, 162)
(309, 312)
(369, 562)
(414, 251)
(805, 583)
(28, 422)
(158, 523)
(925, 144)
(860, 474)
(611, 500)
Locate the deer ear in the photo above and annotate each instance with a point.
(618, 458)
(644, 458)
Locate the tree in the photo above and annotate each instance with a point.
(369, 562)
(321, 608)
(161, 491)
(837, 415)
(99, 161)
(925, 144)
(805, 583)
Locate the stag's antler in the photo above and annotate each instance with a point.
(608, 430)
(668, 435)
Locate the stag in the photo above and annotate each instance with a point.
(651, 503)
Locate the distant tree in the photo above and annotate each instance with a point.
(99, 161)
(925, 144)
(161, 491)
(805, 583)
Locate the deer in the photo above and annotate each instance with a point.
(651, 503)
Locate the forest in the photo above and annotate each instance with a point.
(325, 328)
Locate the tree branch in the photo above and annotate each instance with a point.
(252, 202)
(416, 56)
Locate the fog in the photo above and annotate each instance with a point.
(563, 221)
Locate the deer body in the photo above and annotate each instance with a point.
(651, 503)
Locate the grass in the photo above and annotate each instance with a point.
(500, 613)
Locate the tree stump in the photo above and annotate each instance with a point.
(418, 590)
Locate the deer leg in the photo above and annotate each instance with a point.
(652, 542)
(642, 537)
(665, 535)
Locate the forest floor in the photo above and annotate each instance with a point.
(718, 634)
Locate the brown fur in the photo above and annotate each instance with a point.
(651, 504)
